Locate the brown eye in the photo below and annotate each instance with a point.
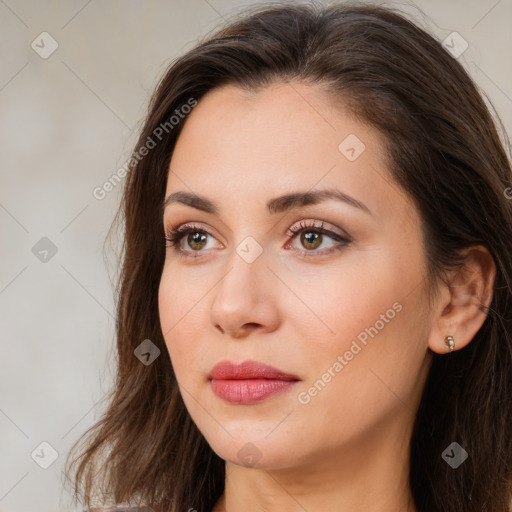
(312, 236)
(196, 240)
(311, 239)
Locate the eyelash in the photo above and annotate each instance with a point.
(173, 237)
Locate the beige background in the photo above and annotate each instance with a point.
(67, 123)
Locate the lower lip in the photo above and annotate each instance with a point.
(249, 391)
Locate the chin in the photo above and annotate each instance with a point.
(258, 453)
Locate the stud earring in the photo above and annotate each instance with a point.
(450, 343)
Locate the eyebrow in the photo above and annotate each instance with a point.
(276, 205)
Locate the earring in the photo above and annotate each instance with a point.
(450, 343)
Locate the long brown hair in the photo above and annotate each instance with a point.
(444, 150)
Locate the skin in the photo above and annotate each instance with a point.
(347, 448)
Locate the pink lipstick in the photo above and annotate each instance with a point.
(248, 382)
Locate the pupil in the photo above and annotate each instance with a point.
(196, 238)
(311, 238)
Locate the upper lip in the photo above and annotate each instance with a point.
(227, 370)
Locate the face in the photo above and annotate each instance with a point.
(331, 292)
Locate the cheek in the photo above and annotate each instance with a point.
(178, 299)
(179, 317)
(352, 386)
(369, 337)
(337, 303)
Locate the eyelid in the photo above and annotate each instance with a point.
(192, 226)
(317, 224)
(340, 236)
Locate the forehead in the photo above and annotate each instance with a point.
(244, 147)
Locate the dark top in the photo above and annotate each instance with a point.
(118, 508)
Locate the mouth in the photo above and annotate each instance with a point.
(248, 382)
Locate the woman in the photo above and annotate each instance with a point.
(314, 306)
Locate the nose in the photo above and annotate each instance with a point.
(245, 299)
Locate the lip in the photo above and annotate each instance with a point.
(227, 370)
(248, 382)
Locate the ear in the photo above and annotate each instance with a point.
(461, 309)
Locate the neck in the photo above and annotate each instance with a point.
(370, 475)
